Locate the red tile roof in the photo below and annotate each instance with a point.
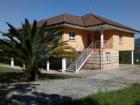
(84, 21)
(63, 18)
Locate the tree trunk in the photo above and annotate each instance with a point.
(31, 75)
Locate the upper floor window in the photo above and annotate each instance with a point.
(120, 39)
(72, 36)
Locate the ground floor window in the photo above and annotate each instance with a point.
(107, 57)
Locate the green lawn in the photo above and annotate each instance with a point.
(127, 96)
(8, 75)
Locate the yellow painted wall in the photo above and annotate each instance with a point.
(128, 41)
(80, 43)
(111, 35)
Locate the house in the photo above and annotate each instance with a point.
(99, 41)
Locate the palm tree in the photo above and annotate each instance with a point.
(30, 45)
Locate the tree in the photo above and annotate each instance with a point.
(30, 45)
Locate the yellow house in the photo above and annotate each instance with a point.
(97, 39)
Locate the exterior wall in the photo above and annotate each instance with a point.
(111, 36)
(96, 63)
(114, 60)
(128, 41)
(81, 38)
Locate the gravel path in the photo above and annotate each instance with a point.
(54, 91)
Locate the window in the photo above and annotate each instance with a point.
(72, 36)
(108, 57)
(120, 39)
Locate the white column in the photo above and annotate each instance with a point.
(63, 64)
(132, 57)
(48, 65)
(23, 66)
(12, 62)
(102, 39)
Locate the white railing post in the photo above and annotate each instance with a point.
(102, 39)
(12, 62)
(63, 64)
(132, 57)
(48, 65)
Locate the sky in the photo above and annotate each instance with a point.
(126, 12)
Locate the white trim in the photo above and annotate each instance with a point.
(132, 57)
(63, 64)
(12, 62)
(105, 26)
(118, 28)
(48, 65)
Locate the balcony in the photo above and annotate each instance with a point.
(107, 44)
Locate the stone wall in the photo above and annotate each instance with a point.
(99, 61)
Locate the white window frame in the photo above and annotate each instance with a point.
(72, 36)
(120, 39)
(107, 56)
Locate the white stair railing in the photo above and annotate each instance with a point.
(81, 60)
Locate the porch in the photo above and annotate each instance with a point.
(101, 39)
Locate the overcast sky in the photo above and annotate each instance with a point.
(15, 11)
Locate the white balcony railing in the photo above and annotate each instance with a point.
(107, 44)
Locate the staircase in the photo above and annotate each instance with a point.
(78, 63)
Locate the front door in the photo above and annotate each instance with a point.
(89, 39)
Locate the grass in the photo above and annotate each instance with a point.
(9, 75)
(127, 96)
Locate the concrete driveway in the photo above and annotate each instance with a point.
(92, 81)
(59, 90)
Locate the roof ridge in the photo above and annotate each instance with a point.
(67, 14)
(83, 20)
(97, 17)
